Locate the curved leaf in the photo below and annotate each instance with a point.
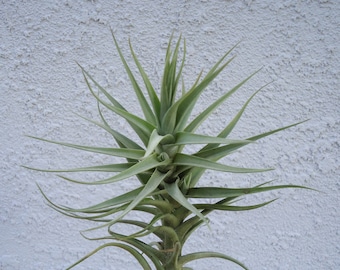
(129, 249)
(202, 255)
(223, 207)
(217, 192)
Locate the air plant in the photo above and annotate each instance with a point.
(168, 176)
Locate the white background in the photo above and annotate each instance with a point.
(296, 43)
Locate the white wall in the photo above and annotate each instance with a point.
(296, 43)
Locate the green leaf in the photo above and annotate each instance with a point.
(152, 94)
(265, 134)
(170, 79)
(121, 199)
(155, 180)
(184, 138)
(220, 152)
(188, 101)
(149, 116)
(169, 89)
(102, 89)
(123, 142)
(218, 192)
(185, 229)
(177, 195)
(147, 229)
(142, 128)
(121, 139)
(202, 255)
(141, 260)
(222, 207)
(155, 140)
(227, 130)
(153, 183)
(71, 212)
(155, 255)
(102, 168)
(194, 161)
(146, 164)
(107, 209)
(164, 206)
(118, 152)
(207, 112)
(179, 74)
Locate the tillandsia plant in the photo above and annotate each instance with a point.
(168, 176)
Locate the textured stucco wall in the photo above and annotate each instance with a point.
(296, 43)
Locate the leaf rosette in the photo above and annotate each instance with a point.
(168, 177)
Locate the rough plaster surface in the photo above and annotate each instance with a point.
(296, 43)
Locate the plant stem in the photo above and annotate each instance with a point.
(174, 254)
